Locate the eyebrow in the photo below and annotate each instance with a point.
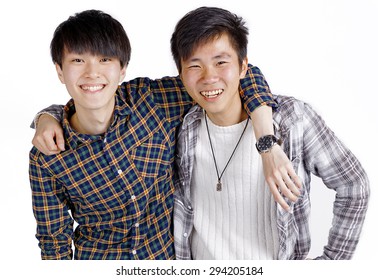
(221, 55)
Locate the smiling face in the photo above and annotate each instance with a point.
(211, 76)
(91, 80)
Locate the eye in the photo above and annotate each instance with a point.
(221, 62)
(193, 66)
(77, 60)
(106, 59)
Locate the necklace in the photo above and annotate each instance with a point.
(219, 184)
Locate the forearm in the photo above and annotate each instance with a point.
(345, 232)
(278, 170)
(349, 211)
(262, 119)
(56, 111)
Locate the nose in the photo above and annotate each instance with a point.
(92, 69)
(210, 75)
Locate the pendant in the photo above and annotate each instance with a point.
(219, 186)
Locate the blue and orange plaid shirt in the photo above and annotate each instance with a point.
(118, 187)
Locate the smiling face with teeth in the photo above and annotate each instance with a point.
(91, 80)
(211, 76)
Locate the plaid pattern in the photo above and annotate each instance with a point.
(313, 148)
(118, 187)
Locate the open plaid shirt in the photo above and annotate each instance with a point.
(313, 148)
(118, 187)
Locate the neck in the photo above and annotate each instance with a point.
(91, 123)
(229, 117)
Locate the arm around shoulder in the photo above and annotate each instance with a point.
(278, 170)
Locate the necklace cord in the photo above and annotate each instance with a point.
(212, 149)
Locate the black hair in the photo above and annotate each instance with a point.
(91, 31)
(204, 24)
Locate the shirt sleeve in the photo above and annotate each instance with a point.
(255, 91)
(170, 93)
(327, 157)
(56, 111)
(51, 211)
(171, 96)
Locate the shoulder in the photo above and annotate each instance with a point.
(38, 161)
(137, 84)
(155, 84)
(291, 110)
(136, 92)
(160, 90)
(287, 104)
(290, 103)
(37, 158)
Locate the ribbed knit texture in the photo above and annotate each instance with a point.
(240, 221)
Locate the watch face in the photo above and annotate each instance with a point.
(265, 143)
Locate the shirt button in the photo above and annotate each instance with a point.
(105, 140)
(185, 234)
(119, 171)
(189, 207)
(137, 225)
(134, 252)
(133, 197)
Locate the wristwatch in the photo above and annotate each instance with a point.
(266, 143)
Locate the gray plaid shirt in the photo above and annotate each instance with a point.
(312, 148)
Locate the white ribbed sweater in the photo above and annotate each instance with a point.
(240, 221)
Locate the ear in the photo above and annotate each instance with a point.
(122, 74)
(244, 68)
(60, 73)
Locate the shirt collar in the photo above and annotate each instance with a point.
(194, 114)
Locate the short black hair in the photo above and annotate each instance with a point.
(91, 31)
(204, 24)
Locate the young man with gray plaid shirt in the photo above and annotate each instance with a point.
(222, 207)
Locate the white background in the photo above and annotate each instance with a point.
(323, 52)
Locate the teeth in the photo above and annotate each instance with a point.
(212, 93)
(92, 88)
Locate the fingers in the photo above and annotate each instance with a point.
(294, 177)
(281, 177)
(282, 185)
(60, 141)
(285, 186)
(45, 144)
(290, 185)
(48, 137)
(277, 195)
